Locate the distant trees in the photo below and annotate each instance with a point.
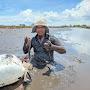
(63, 26)
(15, 26)
(25, 26)
(82, 26)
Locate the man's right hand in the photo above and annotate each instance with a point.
(27, 45)
(27, 40)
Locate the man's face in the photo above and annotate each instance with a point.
(40, 30)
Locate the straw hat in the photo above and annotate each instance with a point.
(42, 23)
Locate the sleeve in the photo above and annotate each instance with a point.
(55, 41)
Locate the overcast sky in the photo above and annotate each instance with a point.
(55, 12)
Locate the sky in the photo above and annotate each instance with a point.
(55, 12)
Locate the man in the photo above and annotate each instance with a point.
(43, 44)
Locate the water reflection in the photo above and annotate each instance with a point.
(77, 38)
(11, 41)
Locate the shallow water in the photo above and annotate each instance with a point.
(76, 74)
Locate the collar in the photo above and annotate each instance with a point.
(46, 36)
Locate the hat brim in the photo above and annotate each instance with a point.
(34, 29)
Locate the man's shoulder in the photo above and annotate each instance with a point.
(54, 40)
(33, 38)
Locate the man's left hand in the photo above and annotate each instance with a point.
(47, 45)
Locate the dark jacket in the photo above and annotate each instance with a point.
(41, 55)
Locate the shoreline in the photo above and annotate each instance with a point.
(31, 27)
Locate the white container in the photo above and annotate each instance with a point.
(11, 69)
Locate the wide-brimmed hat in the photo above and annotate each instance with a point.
(40, 23)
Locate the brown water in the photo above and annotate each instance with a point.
(76, 74)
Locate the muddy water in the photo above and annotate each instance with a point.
(76, 61)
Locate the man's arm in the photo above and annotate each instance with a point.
(59, 49)
(55, 45)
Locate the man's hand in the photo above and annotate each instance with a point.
(27, 45)
(27, 40)
(47, 45)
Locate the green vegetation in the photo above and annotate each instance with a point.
(82, 26)
(63, 26)
(25, 26)
(15, 26)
